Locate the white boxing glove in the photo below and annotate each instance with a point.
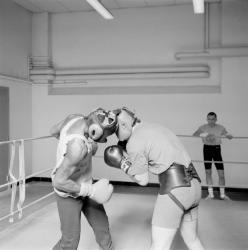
(204, 134)
(100, 191)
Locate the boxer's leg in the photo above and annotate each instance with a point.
(189, 233)
(165, 222)
(207, 156)
(70, 221)
(97, 218)
(162, 238)
(190, 196)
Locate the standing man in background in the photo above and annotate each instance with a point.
(211, 134)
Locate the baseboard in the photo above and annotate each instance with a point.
(133, 184)
(121, 183)
(44, 179)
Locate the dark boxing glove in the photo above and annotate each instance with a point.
(123, 145)
(113, 156)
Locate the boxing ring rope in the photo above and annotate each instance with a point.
(26, 206)
(228, 162)
(27, 177)
(26, 139)
(202, 161)
(12, 180)
(222, 137)
(216, 162)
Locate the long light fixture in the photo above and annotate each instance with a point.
(198, 6)
(100, 9)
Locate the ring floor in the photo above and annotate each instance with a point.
(222, 224)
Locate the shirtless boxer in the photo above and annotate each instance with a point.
(155, 149)
(72, 178)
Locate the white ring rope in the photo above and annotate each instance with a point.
(223, 137)
(49, 136)
(21, 201)
(28, 205)
(227, 162)
(201, 161)
(22, 182)
(20, 207)
(29, 176)
(26, 139)
(12, 180)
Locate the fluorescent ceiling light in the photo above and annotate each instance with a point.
(198, 6)
(100, 9)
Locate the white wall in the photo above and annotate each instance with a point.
(15, 46)
(182, 113)
(134, 37)
(15, 39)
(20, 115)
(147, 37)
(235, 25)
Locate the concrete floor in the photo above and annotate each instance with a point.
(222, 224)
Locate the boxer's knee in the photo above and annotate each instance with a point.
(104, 240)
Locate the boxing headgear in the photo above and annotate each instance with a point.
(131, 113)
(101, 124)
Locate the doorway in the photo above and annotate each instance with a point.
(4, 134)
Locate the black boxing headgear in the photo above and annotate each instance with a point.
(101, 123)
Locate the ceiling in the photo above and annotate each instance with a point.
(57, 6)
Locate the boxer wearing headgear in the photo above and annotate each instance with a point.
(101, 124)
(152, 148)
(72, 181)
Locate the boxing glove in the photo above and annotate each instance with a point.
(123, 145)
(204, 134)
(113, 156)
(100, 191)
(211, 138)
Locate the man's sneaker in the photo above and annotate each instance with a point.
(225, 197)
(209, 197)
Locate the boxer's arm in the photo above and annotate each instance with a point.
(198, 132)
(94, 146)
(76, 151)
(137, 172)
(55, 130)
(136, 169)
(227, 134)
(141, 179)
